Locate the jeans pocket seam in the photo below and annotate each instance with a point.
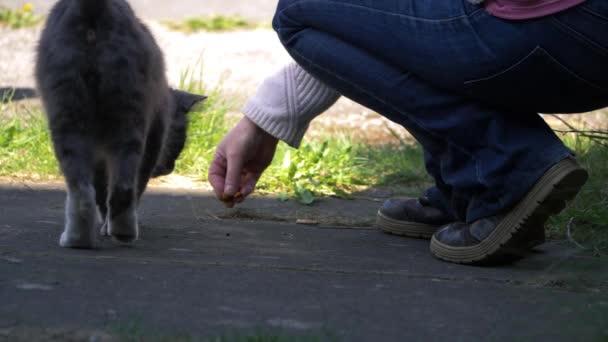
(578, 36)
(570, 71)
(585, 8)
(505, 71)
(536, 50)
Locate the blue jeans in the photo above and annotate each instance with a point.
(468, 86)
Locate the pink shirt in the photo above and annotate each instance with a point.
(527, 9)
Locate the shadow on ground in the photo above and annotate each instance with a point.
(195, 271)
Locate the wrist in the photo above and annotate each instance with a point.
(266, 137)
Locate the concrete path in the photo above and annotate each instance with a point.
(194, 272)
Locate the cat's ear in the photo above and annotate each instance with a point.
(185, 101)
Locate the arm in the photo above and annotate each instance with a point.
(287, 102)
(282, 109)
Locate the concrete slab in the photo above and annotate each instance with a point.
(206, 276)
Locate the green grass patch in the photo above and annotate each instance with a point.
(340, 167)
(585, 221)
(20, 17)
(217, 23)
(25, 144)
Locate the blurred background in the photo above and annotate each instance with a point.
(229, 43)
(159, 9)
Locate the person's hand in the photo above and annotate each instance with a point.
(240, 160)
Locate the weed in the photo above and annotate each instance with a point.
(211, 23)
(19, 18)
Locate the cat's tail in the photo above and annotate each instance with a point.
(91, 10)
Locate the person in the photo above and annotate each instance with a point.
(468, 80)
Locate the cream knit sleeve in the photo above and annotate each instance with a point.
(287, 102)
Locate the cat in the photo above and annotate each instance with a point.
(114, 120)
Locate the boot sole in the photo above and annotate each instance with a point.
(417, 230)
(405, 228)
(509, 240)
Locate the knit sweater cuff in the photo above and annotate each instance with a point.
(287, 102)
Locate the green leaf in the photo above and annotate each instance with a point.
(7, 136)
(304, 195)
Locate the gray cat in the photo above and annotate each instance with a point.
(114, 120)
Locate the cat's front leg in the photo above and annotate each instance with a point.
(122, 214)
(100, 182)
(74, 153)
(102, 222)
(124, 227)
(103, 231)
(81, 216)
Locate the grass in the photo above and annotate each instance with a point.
(216, 23)
(19, 18)
(25, 146)
(340, 167)
(585, 221)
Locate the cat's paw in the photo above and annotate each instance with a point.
(103, 231)
(80, 219)
(71, 240)
(124, 228)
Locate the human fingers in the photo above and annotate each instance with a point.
(217, 175)
(234, 171)
(250, 180)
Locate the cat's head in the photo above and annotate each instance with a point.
(176, 138)
(184, 101)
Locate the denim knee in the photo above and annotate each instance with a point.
(282, 4)
(286, 25)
